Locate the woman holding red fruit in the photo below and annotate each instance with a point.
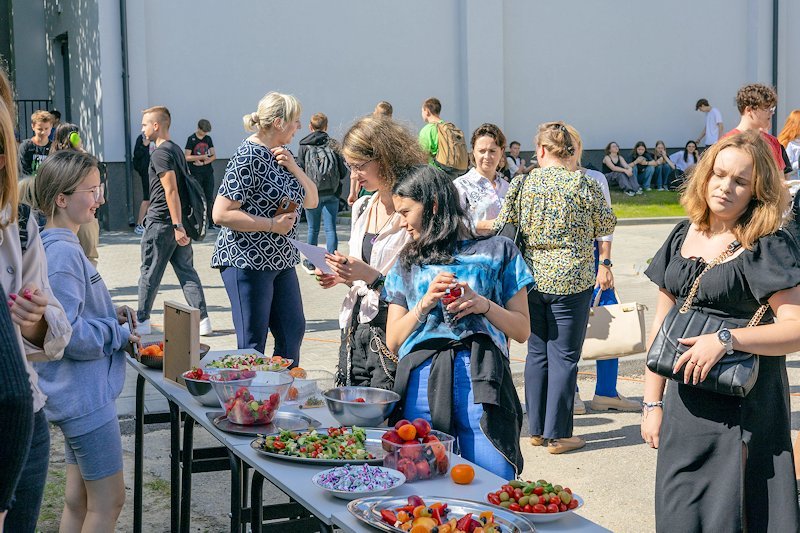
(454, 301)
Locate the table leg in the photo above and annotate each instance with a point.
(325, 528)
(256, 511)
(186, 479)
(138, 455)
(175, 466)
(236, 492)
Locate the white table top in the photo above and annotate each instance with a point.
(295, 478)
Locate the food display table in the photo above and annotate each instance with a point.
(319, 509)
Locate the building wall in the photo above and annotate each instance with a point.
(30, 49)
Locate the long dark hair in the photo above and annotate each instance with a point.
(686, 151)
(441, 230)
(634, 155)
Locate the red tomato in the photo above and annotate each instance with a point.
(493, 498)
(573, 504)
(542, 500)
(509, 489)
(515, 507)
(552, 508)
(567, 490)
(538, 491)
(527, 509)
(555, 500)
(518, 494)
(562, 507)
(539, 508)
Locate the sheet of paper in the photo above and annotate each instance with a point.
(315, 254)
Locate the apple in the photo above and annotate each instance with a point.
(423, 469)
(400, 423)
(389, 438)
(411, 449)
(422, 426)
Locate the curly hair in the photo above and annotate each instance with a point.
(764, 215)
(381, 139)
(755, 96)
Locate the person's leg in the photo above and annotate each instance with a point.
(105, 498)
(330, 208)
(74, 513)
(24, 513)
(287, 322)
(158, 243)
(313, 218)
(89, 238)
(648, 177)
(182, 261)
(536, 364)
(207, 182)
(607, 370)
(566, 333)
(250, 293)
(473, 444)
(415, 404)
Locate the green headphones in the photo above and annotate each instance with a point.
(74, 139)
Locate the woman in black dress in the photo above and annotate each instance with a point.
(725, 463)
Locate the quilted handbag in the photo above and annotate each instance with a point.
(733, 375)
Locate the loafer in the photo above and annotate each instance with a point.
(620, 403)
(537, 440)
(578, 407)
(556, 446)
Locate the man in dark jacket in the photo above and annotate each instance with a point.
(319, 158)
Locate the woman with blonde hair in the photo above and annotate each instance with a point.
(258, 206)
(379, 152)
(560, 212)
(725, 462)
(789, 137)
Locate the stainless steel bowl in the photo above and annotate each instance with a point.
(377, 405)
(202, 391)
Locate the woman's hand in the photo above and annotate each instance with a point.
(27, 307)
(122, 316)
(285, 158)
(469, 303)
(704, 352)
(283, 224)
(326, 281)
(350, 268)
(651, 426)
(605, 278)
(436, 290)
(628, 172)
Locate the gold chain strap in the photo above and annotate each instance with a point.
(729, 251)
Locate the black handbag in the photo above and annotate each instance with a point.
(512, 231)
(733, 375)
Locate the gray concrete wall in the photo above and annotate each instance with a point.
(30, 50)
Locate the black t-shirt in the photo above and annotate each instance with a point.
(647, 155)
(198, 146)
(168, 156)
(31, 156)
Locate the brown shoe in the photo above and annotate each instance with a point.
(537, 440)
(620, 403)
(564, 445)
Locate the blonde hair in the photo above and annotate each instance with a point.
(9, 195)
(273, 106)
(42, 116)
(381, 139)
(163, 116)
(764, 215)
(61, 173)
(558, 138)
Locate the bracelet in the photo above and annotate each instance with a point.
(649, 406)
(271, 223)
(419, 315)
(489, 308)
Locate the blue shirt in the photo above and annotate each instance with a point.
(492, 267)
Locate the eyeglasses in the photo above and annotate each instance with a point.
(772, 110)
(358, 168)
(97, 191)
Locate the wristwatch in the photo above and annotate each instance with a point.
(177, 226)
(377, 284)
(725, 337)
(607, 263)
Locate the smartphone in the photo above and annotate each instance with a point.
(134, 345)
(286, 206)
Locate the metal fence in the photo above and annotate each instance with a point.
(24, 110)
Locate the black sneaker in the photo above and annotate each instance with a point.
(308, 266)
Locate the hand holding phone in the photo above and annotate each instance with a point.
(286, 206)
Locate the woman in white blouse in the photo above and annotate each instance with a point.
(481, 190)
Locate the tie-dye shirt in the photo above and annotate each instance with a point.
(493, 267)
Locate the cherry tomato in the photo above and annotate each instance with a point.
(555, 500)
(515, 507)
(573, 504)
(518, 494)
(538, 491)
(539, 508)
(527, 509)
(493, 498)
(562, 507)
(542, 500)
(552, 508)
(567, 490)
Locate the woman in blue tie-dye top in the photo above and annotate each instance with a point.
(454, 369)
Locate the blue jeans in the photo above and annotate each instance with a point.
(472, 443)
(24, 512)
(663, 176)
(328, 207)
(645, 177)
(264, 301)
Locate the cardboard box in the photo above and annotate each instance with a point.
(181, 340)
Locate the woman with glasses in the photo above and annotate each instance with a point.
(258, 206)
(82, 387)
(560, 214)
(378, 152)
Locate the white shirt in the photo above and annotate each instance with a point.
(793, 151)
(682, 165)
(713, 118)
(479, 198)
(513, 164)
(601, 180)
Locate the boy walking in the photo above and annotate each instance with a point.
(36, 149)
(165, 240)
(713, 129)
(200, 154)
(442, 141)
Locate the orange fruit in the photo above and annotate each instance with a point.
(276, 359)
(292, 394)
(297, 373)
(462, 474)
(407, 432)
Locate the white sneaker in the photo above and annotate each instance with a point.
(143, 327)
(205, 327)
(579, 408)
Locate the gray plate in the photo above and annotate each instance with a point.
(373, 445)
(368, 510)
(290, 420)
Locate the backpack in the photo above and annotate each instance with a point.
(194, 209)
(321, 166)
(452, 153)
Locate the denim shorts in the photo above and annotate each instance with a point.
(98, 453)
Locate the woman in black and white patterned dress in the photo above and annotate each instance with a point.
(256, 260)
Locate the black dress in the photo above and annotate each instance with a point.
(725, 463)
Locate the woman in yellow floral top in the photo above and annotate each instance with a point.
(560, 214)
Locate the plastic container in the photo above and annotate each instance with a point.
(419, 460)
(307, 392)
(249, 403)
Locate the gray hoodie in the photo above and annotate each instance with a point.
(81, 387)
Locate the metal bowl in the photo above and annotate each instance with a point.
(202, 391)
(376, 407)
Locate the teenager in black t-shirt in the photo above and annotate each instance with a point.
(36, 149)
(200, 153)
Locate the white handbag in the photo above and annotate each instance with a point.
(614, 330)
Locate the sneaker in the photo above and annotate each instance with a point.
(308, 266)
(639, 192)
(565, 445)
(648, 189)
(143, 327)
(205, 327)
(139, 229)
(662, 189)
(630, 193)
(578, 407)
(620, 403)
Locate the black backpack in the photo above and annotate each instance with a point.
(323, 169)
(194, 209)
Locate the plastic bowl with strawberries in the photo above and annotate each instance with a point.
(416, 450)
(249, 403)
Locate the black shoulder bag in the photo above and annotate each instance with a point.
(512, 231)
(734, 374)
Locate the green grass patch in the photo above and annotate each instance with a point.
(158, 485)
(649, 204)
(53, 501)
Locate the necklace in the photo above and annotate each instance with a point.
(391, 217)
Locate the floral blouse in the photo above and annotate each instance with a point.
(562, 213)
